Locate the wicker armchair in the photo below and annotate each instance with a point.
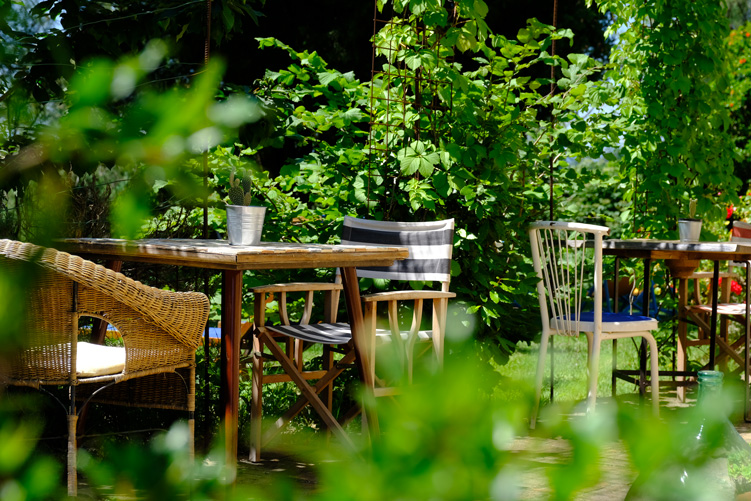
(160, 329)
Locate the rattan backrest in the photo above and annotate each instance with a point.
(158, 305)
(430, 247)
(568, 260)
(49, 324)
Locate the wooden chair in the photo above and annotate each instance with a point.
(430, 245)
(568, 261)
(700, 313)
(161, 331)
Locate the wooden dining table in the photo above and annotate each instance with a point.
(683, 258)
(233, 261)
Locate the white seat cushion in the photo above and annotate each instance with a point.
(98, 360)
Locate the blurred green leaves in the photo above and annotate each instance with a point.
(151, 127)
(25, 475)
(118, 118)
(671, 70)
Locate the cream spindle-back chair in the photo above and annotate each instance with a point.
(568, 260)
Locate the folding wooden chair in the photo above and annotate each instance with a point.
(700, 313)
(430, 248)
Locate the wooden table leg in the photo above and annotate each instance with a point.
(357, 325)
(681, 348)
(232, 281)
(646, 289)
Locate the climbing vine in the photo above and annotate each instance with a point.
(474, 143)
(670, 68)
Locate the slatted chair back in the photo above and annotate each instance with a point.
(568, 261)
(740, 233)
(568, 267)
(430, 247)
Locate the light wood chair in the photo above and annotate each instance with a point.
(568, 261)
(161, 331)
(699, 313)
(430, 249)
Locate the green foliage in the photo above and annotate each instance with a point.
(739, 55)
(475, 144)
(24, 474)
(670, 69)
(162, 470)
(47, 42)
(456, 123)
(149, 139)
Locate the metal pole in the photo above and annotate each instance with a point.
(206, 336)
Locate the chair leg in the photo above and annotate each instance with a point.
(440, 311)
(369, 320)
(192, 415)
(72, 453)
(590, 338)
(594, 366)
(310, 393)
(302, 400)
(538, 377)
(256, 405)
(327, 395)
(654, 372)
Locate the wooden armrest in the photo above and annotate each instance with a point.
(702, 275)
(297, 287)
(407, 295)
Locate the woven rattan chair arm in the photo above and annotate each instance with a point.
(407, 295)
(297, 287)
(182, 314)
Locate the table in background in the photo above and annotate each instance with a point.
(233, 260)
(682, 258)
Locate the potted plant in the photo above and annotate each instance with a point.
(689, 228)
(244, 221)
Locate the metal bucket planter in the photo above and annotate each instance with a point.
(244, 224)
(689, 230)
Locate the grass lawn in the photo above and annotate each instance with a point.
(570, 359)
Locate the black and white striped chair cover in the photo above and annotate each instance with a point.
(430, 249)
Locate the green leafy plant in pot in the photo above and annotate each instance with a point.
(244, 221)
(689, 228)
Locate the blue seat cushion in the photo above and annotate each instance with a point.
(589, 316)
